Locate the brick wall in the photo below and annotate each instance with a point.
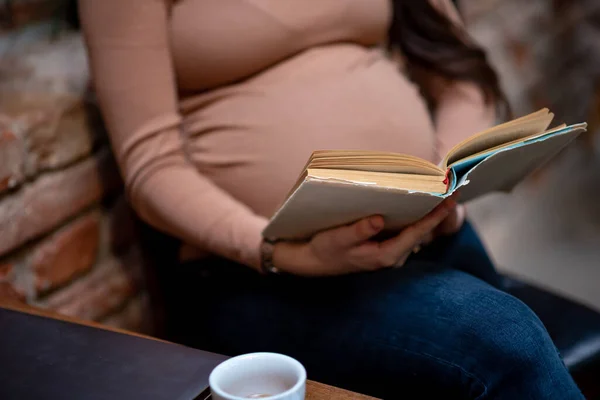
(67, 234)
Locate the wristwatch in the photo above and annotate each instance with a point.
(267, 248)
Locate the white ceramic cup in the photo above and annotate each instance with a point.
(258, 376)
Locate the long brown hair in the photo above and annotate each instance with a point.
(436, 51)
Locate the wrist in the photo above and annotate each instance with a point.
(281, 255)
(267, 250)
(293, 258)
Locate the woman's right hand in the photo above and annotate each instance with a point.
(349, 249)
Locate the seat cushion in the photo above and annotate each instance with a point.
(574, 328)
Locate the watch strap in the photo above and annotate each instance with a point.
(267, 248)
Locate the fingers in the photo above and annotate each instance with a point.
(434, 218)
(453, 222)
(428, 238)
(393, 250)
(351, 235)
(350, 249)
(369, 256)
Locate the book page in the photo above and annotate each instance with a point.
(373, 161)
(489, 151)
(504, 169)
(520, 128)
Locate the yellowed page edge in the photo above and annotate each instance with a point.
(508, 132)
(408, 182)
(502, 146)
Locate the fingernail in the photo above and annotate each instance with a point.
(376, 223)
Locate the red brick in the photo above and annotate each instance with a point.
(67, 253)
(44, 204)
(7, 287)
(6, 272)
(95, 295)
(7, 291)
(11, 159)
(135, 316)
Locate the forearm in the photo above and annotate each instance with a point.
(171, 195)
(129, 54)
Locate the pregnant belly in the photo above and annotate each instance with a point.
(253, 139)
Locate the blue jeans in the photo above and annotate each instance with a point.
(439, 327)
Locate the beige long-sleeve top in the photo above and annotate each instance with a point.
(214, 106)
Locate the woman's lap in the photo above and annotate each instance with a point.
(429, 327)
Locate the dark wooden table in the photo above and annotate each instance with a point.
(314, 390)
(319, 391)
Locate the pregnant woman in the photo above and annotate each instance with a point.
(213, 108)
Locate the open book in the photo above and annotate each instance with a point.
(339, 187)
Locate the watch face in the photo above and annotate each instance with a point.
(274, 270)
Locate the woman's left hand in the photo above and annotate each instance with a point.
(449, 225)
(453, 222)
